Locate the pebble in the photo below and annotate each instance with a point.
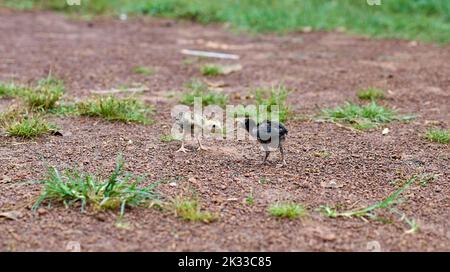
(41, 211)
(192, 180)
(328, 236)
(332, 184)
(100, 217)
(5, 179)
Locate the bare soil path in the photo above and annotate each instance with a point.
(324, 69)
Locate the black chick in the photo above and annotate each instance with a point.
(270, 134)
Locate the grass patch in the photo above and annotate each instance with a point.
(128, 110)
(50, 81)
(45, 95)
(9, 90)
(360, 117)
(412, 223)
(369, 211)
(211, 70)
(250, 200)
(273, 97)
(64, 109)
(18, 123)
(370, 94)
(10, 116)
(29, 127)
(423, 20)
(190, 210)
(142, 70)
(322, 154)
(441, 136)
(118, 191)
(167, 138)
(198, 89)
(20, 5)
(271, 100)
(426, 178)
(264, 180)
(287, 210)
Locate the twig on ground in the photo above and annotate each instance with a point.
(209, 54)
(130, 90)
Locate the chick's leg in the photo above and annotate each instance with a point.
(182, 148)
(266, 156)
(282, 154)
(200, 146)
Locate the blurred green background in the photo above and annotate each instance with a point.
(426, 20)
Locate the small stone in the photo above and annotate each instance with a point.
(332, 184)
(329, 236)
(41, 211)
(192, 180)
(100, 217)
(5, 179)
(12, 215)
(385, 131)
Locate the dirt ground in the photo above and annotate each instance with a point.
(323, 69)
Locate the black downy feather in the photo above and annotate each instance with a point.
(266, 131)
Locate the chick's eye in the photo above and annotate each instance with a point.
(214, 126)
